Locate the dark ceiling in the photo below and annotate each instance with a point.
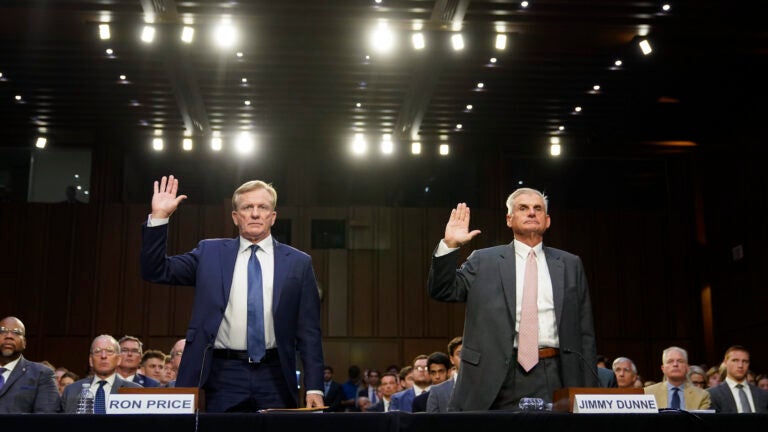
(702, 88)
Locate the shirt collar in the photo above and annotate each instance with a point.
(732, 383)
(110, 380)
(10, 366)
(522, 249)
(267, 245)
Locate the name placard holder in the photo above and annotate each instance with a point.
(615, 404)
(151, 404)
(157, 400)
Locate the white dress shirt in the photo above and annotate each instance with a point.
(732, 384)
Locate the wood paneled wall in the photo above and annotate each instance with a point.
(71, 272)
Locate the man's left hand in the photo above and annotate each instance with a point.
(314, 401)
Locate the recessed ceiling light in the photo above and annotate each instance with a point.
(618, 63)
(187, 34)
(17, 97)
(555, 149)
(109, 51)
(561, 128)
(148, 34)
(41, 142)
(645, 46)
(382, 38)
(358, 104)
(596, 87)
(225, 33)
(239, 54)
(480, 85)
(157, 144)
(122, 77)
(244, 80)
(457, 41)
(554, 140)
(418, 41)
(416, 147)
(444, 149)
(247, 103)
(524, 4)
(104, 31)
(501, 41)
(577, 109)
(493, 60)
(459, 126)
(666, 7)
(186, 144)
(469, 107)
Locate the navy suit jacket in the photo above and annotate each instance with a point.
(722, 400)
(145, 381)
(334, 397)
(31, 388)
(72, 392)
(209, 268)
(402, 401)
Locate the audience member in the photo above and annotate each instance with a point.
(387, 388)
(440, 394)
(439, 365)
(405, 377)
(714, 377)
(403, 400)
(152, 363)
(333, 394)
(131, 351)
(104, 359)
(736, 395)
(352, 387)
(25, 386)
(625, 372)
(675, 391)
(67, 379)
(697, 376)
(372, 389)
(762, 381)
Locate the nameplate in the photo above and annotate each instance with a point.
(614, 403)
(151, 404)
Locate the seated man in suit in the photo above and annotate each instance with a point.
(333, 394)
(675, 391)
(104, 359)
(440, 395)
(131, 352)
(152, 364)
(25, 386)
(387, 388)
(403, 401)
(735, 394)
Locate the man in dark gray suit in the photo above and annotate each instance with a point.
(736, 394)
(104, 359)
(518, 295)
(440, 395)
(25, 386)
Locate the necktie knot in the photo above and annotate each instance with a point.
(739, 386)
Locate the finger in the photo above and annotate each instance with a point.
(180, 198)
(157, 186)
(174, 185)
(163, 183)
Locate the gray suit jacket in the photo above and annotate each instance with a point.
(72, 392)
(31, 388)
(723, 401)
(439, 396)
(486, 283)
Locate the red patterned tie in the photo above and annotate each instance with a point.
(528, 336)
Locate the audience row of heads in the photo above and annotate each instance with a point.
(676, 367)
(127, 358)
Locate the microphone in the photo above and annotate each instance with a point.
(591, 368)
(202, 365)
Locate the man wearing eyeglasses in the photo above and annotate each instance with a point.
(25, 386)
(177, 350)
(104, 359)
(403, 401)
(131, 352)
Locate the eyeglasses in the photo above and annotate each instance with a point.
(131, 351)
(15, 331)
(420, 368)
(108, 351)
(698, 383)
(176, 353)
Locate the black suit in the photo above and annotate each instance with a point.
(420, 402)
(723, 401)
(333, 397)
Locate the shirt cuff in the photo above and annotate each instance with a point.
(443, 249)
(317, 392)
(156, 222)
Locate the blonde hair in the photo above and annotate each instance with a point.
(254, 185)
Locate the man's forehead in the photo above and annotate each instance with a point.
(528, 198)
(421, 362)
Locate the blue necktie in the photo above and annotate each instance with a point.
(256, 346)
(2, 380)
(99, 403)
(675, 404)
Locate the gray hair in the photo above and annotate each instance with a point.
(673, 348)
(251, 186)
(622, 360)
(522, 191)
(111, 340)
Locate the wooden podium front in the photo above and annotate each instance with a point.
(564, 398)
(199, 394)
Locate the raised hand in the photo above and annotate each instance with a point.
(164, 200)
(457, 231)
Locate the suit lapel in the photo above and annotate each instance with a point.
(18, 372)
(282, 258)
(557, 276)
(227, 264)
(507, 264)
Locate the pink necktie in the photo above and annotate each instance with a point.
(528, 336)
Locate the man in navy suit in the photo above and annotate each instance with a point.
(736, 394)
(403, 401)
(255, 307)
(25, 386)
